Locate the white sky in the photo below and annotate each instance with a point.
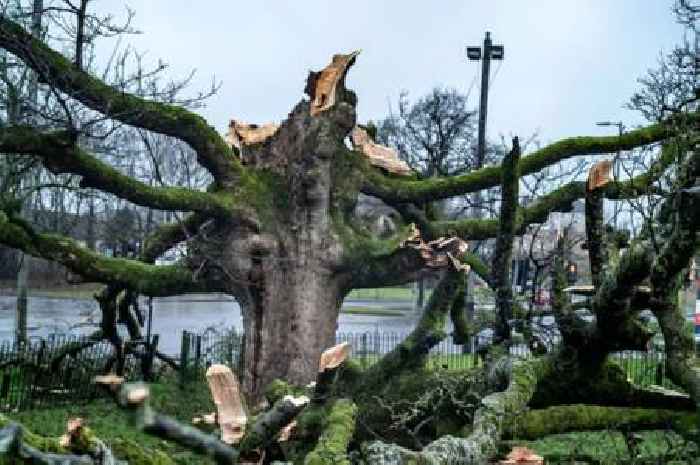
(567, 63)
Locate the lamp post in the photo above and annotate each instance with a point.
(616, 161)
(486, 54)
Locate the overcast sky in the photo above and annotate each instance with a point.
(567, 63)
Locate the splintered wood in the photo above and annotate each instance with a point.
(324, 87)
(440, 253)
(226, 392)
(333, 357)
(379, 155)
(240, 133)
(599, 174)
(73, 430)
(522, 456)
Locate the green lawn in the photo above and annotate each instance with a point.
(373, 311)
(78, 291)
(112, 424)
(385, 293)
(610, 448)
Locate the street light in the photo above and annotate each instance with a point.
(486, 53)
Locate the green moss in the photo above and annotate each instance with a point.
(565, 418)
(405, 190)
(278, 388)
(144, 278)
(135, 454)
(338, 429)
(44, 444)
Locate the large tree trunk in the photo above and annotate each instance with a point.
(289, 319)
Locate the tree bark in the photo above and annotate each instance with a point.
(290, 318)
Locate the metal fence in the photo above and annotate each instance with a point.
(35, 375)
(41, 373)
(200, 351)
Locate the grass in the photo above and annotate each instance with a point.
(372, 311)
(113, 425)
(402, 294)
(609, 447)
(78, 291)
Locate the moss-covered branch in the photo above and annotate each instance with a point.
(143, 278)
(167, 236)
(396, 190)
(482, 438)
(429, 331)
(510, 179)
(60, 154)
(560, 199)
(536, 424)
(135, 398)
(337, 430)
(59, 72)
(268, 424)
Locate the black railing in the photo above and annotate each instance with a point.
(46, 372)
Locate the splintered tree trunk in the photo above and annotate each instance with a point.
(294, 287)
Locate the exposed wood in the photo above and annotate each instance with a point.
(440, 253)
(287, 432)
(324, 86)
(383, 157)
(207, 419)
(599, 174)
(111, 381)
(73, 430)
(331, 359)
(522, 456)
(334, 356)
(226, 392)
(269, 424)
(240, 133)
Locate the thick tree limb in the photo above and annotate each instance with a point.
(268, 425)
(429, 331)
(135, 398)
(168, 235)
(60, 154)
(510, 179)
(666, 276)
(396, 190)
(13, 447)
(338, 429)
(558, 200)
(482, 441)
(536, 424)
(143, 278)
(54, 69)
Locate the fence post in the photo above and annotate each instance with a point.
(184, 356)
(197, 354)
(364, 350)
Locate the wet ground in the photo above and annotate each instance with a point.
(173, 314)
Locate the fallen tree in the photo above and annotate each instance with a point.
(276, 230)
